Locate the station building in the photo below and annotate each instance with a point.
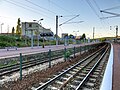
(35, 29)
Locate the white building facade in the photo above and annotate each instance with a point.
(35, 29)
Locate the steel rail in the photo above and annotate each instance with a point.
(25, 65)
(72, 76)
(34, 62)
(87, 76)
(43, 86)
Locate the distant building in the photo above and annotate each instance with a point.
(78, 37)
(37, 29)
(64, 35)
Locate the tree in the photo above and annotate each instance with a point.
(56, 35)
(13, 31)
(18, 28)
(71, 36)
(83, 36)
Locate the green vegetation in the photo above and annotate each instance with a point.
(11, 40)
(8, 64)
(18, 28)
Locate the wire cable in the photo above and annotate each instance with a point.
(116, 7)
(92, 8)
(69, 20)
(27, 8)
(60, 7)
(40, 6)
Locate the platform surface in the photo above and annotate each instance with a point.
(116, 67)
(28, 50)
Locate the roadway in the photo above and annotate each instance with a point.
(28, 50)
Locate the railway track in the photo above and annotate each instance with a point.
(34, 61)
(30, 63)
(84, 75)
(27, 64)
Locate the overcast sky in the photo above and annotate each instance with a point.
(88, 11)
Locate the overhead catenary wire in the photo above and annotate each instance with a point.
(40, 6)
(27, 8)
(69, 20)
(116, 7)
(100, 13)
(98, 7)
(59, 7)
(110, 17)
(114, 14)
(89, 3)
(74, 22)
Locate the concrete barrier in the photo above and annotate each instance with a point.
(107, 79)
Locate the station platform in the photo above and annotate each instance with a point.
(116, 67)
(111, 78)
(4, 53)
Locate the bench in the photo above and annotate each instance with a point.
(8, 48)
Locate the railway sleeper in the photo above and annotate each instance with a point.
(68, 74)
(85, 71)
(64, 78)
(96, 73)
(72, 87)
(79, 78)
(78, 68)
(92, 80)
(82, 74)
(89, 85)
(75, 83)
(72, 72)
(94, 76)
(59, 82)
(98, 70)
(75, 70)
(51, 88)
(56, 85)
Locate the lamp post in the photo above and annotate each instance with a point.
(57, 28)
(37, 31)
(75, 35)
(116, 28)
(1, 27)
(116, 31)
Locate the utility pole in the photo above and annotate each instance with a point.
(56, 30)
(32, 39)
(93, 32)
(116, 31)
(25, 35)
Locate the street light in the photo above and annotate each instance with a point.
(38, 20)
(37, 34)
(1, 27)
(76, 34)
(116, 28)
(57, 28)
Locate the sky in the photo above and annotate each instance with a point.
(88, 11)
